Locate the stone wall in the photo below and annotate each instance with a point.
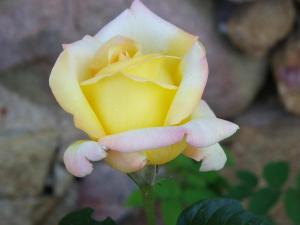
(251, 45)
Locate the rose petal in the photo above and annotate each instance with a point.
(143, 26)
(193, 153)
(77, 157)
(203, 111)
(214, 158)
(126, 162)
(208, 131)
(143, 139)
(70, 69)
(194, 72)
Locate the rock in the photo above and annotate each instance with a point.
(106, 198)
(25, 160)
(286, 70)
(39, 27)
(29, 211)
(255, 28)
(267, 133)
(234, 79)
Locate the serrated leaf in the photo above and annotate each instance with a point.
(263, 200)
(276, 174)
(218, 212)
(84, 217)
(135, 199)
(247, 178)
(170, 211)
(239, 192)
(292, 205)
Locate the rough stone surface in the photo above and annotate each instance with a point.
(286, 70)
(37, 28)
(25, 161)
(267, 133)
(256, 27)
(105, 190)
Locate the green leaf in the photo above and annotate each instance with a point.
(167, 189)
(276, 174)
(170, 211)
(239, 192)
(83, 217)
(135, 199)
(292, 205)
(263, 200)
(190, 196)
(218, 212)
(298, 180)
(247, 178)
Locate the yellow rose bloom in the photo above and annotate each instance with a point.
(135, 88)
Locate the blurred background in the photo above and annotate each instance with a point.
(253, 49)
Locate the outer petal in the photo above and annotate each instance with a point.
(143, 139)
(70, 69)
(126, 162)
(194, 70)
(143, 26)
(77, 156)
(208, 131)
(213, 157)
(203, 111)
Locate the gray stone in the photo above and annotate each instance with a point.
(286, 70)
(256, 27)
(106, 191)
(25, 160)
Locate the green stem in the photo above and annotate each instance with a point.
(145, 180)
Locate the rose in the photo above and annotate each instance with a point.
(135, 88)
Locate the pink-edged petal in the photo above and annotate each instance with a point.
(77, 157)
(203, 111)
(143, 26)
(143, 139)
(208, 131)
(126, 162)
(194, 70)
(214, 158)
(193, 153)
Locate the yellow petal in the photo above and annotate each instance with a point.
(154, 34)
(165, 154)
(125, 104)
(194, 71)
(114, 50)
(70, 69)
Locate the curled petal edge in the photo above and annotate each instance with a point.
(77, 157)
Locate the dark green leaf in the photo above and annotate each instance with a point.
(292, 205)
(263, 200)
(247, 178)
(170, 211)
(239, 192)
(276, 174)
(84, 217)
(135, 199)
(218, 212)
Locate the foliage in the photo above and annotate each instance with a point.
(210, 212)
(84, 217)
(260, 193)
(219, 212)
